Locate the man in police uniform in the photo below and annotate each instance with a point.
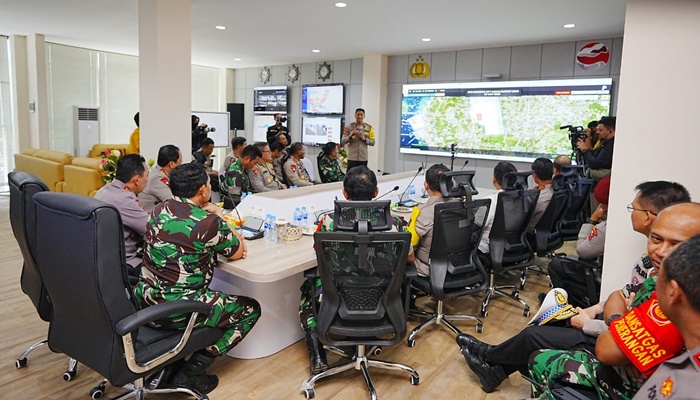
(277, 128)
(183, 238)
(158, 188)
(278, 151)
(237, 181)
(360, 184)
(679, 299)
(328, 164)
(294, 169)
(130, 180)
(262, 176)
(357, 136)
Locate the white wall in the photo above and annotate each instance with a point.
(656, 136)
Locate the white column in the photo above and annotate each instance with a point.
(165, 75)
(374, 88)
(656, 136)
(37, 91)
(20, 93)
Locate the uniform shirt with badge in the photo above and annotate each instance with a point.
(296, 173)
(330, 169)
(236, 180)
(263, 178)
(676, 379)
(157, 189)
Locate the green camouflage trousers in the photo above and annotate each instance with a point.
(308, 294)
(550, 369)
(236, 315)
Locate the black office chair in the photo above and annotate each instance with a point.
(362, 273)
(455, 269)
(319, 157)
(23, 187)
(577, 211)
(94, 318)
(508, 247)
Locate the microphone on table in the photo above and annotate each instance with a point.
(465, 164)
(391, 191)
(401, 201)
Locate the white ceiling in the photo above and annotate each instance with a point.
(274, 32)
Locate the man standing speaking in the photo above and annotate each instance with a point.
(357, 136)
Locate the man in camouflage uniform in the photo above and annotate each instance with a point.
(357, 136)
(609, 372)
(262, 176)
(294, 169)
(183, 238)
(328, 165)
(237, 145)
(158, 188)
(237, 181)
(359, 185)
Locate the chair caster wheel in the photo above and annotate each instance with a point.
(415, 380)
(522, 286)
(411, 342)
(21, 363)
(526, 312)
(97, 392)
(377, 352)
(515, 294)
(484, 313)
(479, 328)
(309, 393)
(69, 375)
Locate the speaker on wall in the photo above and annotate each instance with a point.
(237, 118)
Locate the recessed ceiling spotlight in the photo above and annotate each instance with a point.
(426, 39)
(220, 27)
(341, 5)
(236, 59)
(316, 51)
(569, 26)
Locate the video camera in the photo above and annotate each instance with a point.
(576, 133)
(282, 119)
(204, 127)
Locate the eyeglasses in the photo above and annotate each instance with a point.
(631, 208)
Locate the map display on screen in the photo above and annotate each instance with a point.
(322, 99)
(499, 120)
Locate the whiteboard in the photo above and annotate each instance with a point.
(260, 124)
(218, 120)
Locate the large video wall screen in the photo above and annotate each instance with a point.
(499, 120)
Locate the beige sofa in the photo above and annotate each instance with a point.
(48, 165)
(83, 176)
(99, 148)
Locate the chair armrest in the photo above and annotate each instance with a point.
(311, 273)
(152, 313)
(411, 271)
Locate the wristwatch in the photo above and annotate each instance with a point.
(612, 318)
(592, 222)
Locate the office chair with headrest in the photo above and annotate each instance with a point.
(577, 211)
(362, 272)
(455, 270)
(319, 157)
(548, 236)
(508, 248)
(23, 187)
(94, 318)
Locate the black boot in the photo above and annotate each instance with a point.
(317, 354)
(192, 375)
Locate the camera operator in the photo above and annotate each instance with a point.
(599, 160)
(199, 132)
(278, 128)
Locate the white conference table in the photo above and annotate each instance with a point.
(272, 273)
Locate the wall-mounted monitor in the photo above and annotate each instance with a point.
(323, 99)
(260, 124)
(317, 131)
(270, 99)
(220, 122)
(499, 120)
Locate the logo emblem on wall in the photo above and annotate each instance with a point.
(419, 69)
(593, 56)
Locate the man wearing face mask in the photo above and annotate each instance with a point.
(278, 128)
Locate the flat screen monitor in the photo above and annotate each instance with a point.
(317, 131)
(260, 124)
(219, 121)
(323, 99)
(270, 99)
(516, 121)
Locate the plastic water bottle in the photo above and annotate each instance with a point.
(273, 229)
(266, 227)
(297, 217)
(243, 195)
(412, 192)
(304, 217)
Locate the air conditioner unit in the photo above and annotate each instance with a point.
(86, 129)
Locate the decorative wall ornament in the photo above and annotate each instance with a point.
(293, 73)
(324, 71)
(265, 74)
(419, 69)
(593, 56)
